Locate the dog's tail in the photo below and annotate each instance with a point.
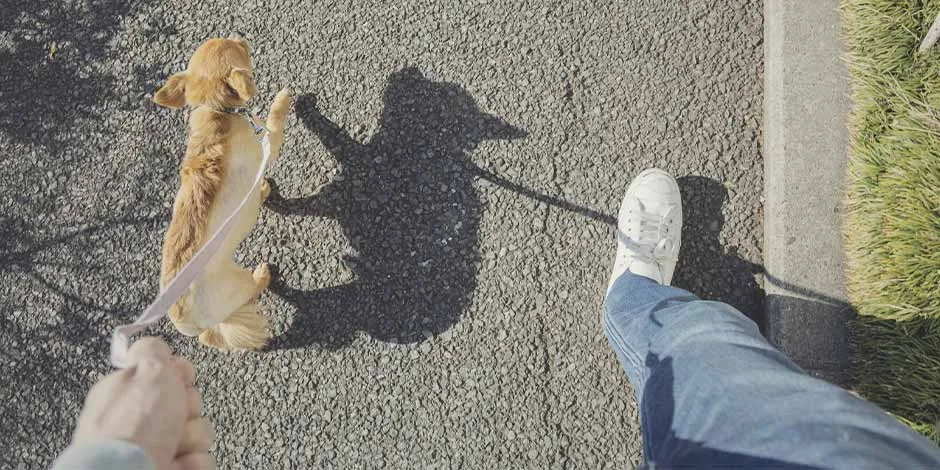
(244, 329)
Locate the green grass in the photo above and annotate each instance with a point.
(897, 367)
(892, 223)
(893, 220)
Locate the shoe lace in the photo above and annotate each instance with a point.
(649, 243)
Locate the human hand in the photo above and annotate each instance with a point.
(154, 404)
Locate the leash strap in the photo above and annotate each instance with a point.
(120, 340)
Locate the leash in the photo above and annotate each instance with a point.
(120, 339)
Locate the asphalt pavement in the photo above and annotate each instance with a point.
(441, 227)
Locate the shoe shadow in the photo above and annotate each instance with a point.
(407, 204)
(705, 268)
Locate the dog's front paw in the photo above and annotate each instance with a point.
(281, 102)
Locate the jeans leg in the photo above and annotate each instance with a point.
(714, 393)
(628, 330)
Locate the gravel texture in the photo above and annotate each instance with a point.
(441, 229)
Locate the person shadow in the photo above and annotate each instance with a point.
(408, 207)
(705, 267)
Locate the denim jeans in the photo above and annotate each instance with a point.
(713, 393)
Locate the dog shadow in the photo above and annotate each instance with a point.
(407, 204)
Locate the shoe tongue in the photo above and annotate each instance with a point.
(634, 205)
(653, 206)
(648, 208)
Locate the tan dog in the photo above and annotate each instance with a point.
(222, 159)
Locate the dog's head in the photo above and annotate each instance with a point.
(219, 75)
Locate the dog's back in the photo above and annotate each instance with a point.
(201, 177)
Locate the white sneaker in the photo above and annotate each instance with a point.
(649, 228)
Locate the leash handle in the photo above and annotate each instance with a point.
(120, 339)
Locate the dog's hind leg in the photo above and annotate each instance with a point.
(265, 190)
(244, 327)
(262, 278)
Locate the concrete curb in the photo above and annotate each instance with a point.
(806, 106)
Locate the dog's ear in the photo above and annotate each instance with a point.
(243, 43)
(240, 81)
(173, 94)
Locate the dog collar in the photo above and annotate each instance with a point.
(246, 113)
